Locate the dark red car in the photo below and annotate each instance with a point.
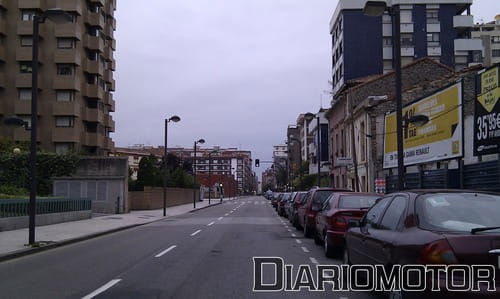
(339, 210)
(430, 227)
(310, 206)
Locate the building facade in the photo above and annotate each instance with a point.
(362, 45)
(489, 34)
(76, 67)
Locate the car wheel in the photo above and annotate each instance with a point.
(307, 231)
(329, 252)
(318, 240)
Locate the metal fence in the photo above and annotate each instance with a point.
(19, 207)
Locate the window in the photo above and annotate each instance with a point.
(394, 213)
(362, 141)
(374, 214)
(66, 43)
(432, 16)
(387, 41)
(495, 53)
(27, 15)
(25, 67)
(92, 79)
(386, 19)
(477, 56)
(63, 147)
(406, 39)
(25, 94)
(65, 95)
(93, 55)
(26, 41)
(406, 16)
(26, 119)
(495, 39)
(93, 31)
(433, 39)
(65, 122)
(65, 69)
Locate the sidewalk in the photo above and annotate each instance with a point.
(14, 241)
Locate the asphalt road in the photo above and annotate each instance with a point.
(205, 254)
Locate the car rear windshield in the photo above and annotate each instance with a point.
(320, 196)
(357, 201)
(460, 212)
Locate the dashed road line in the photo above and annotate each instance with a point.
(294, 235)
(102, 289)
(305, 249)
(220, 218)
(165, 251)
(313, 260)
(195, 233)
(211, 223)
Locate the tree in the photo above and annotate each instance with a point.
(149, 174)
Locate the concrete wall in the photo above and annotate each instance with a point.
(152, 198)
(13, 223)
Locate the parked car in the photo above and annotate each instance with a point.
(312, 203)
(294, 206)
(281, 204)
(276, 198)
(288, 204)
(430, 227)
(340, 209)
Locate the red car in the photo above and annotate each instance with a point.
(430, 227)
(310, 206)
(339, 210)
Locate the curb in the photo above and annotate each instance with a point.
(205, 207)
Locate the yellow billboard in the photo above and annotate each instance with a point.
(439, 139)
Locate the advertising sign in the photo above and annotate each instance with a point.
(487, 113)
(439, 139)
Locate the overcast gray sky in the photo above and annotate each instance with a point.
(236, 71)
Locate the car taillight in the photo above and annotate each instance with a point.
(438, 252)
(339, 223)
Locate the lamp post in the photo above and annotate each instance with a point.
(57, 16)
(174, 119)
(377, 9)
(200, 141)
(210, 175)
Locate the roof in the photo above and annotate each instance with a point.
(425, 191)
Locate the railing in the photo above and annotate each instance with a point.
(19, 207)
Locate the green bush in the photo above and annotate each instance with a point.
(11, 190)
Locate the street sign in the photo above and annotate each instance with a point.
(487, 113)
(343, 161)
(440, 138)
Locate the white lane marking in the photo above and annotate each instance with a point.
(305, 249)
(165, 251)
(298, 241)
(286, 226)
(294, 235)
(211, 223)
(102, 289)
(227, 214)
(220, 218)
(313, 260)
(289, 230)
(195, 233)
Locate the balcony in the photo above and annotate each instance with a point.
(70, 5)
(65, 135)
(467, 44)
(94, 91)
(112, 64)
(108, 53)
(94, 67)
(108, 76)
(108, 144)
(109, 32)
(109, 122)
(66, 109)
(108, 100)
(31, 4)
(463, 21)
(68, 30)
(112, 86)
(407, 51)
(407, 28)
(92, 139)
(24, 80)
(25, 54)
(94, 43)
(433, 28)
(3, 27)
(68, 56)
(23, 107)
(20, 134)
(93, 115)
(67, 83)
(99, 2)
(25, 28)
(96, 19)
(434, 51)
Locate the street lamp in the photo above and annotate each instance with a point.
(57, 16)
(210, 175)
(174, 119)
(377, 9)
(200, 141)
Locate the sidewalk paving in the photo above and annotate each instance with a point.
(12, 242)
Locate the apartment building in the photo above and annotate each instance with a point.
(489, 33)
(76, 67)
(362, 45)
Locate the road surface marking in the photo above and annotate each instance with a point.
(313, 260)
(195, 233)
(305, 249)
(165, 251)
(102, 289)
(286, 226)
(298, 241)
(294, 235)
(220, 218)
(289, 230)
(227, 214)
(211, 223)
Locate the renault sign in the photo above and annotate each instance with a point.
(439, 139)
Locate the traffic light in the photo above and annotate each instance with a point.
(257, 163)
